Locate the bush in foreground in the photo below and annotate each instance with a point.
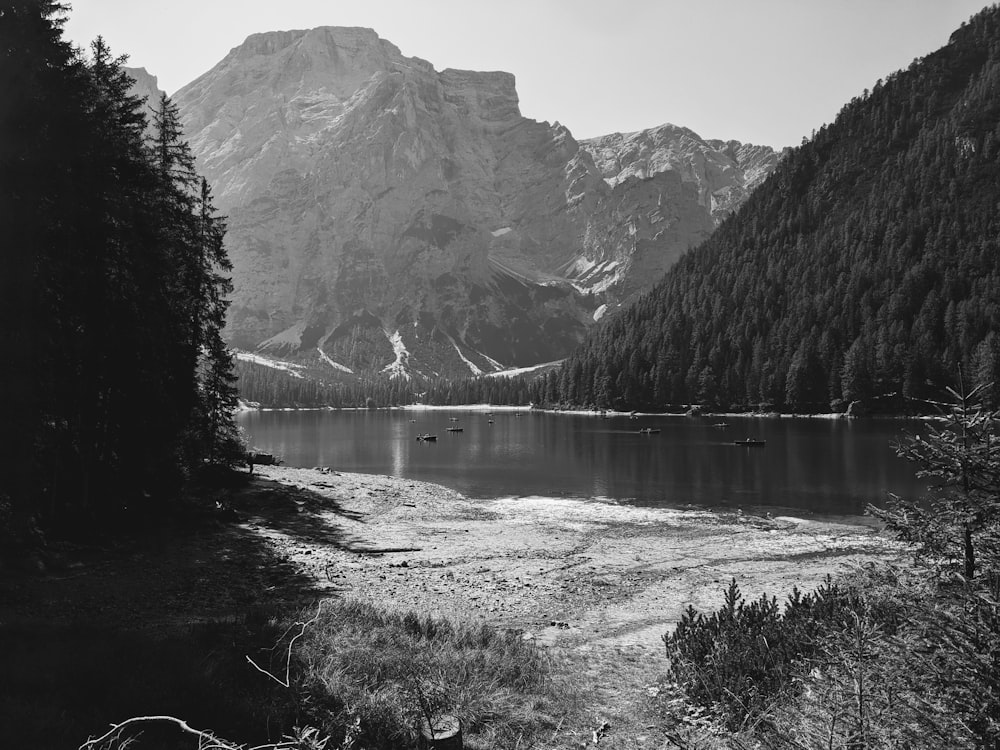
(737, 660)
(372, 672)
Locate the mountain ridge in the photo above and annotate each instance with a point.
(372, 198)
(863, 271)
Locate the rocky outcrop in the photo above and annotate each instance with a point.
(145, 86)
(385, 216)
(724, 172)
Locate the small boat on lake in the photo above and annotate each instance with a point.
(721, 424)
(427, 438)
(649, 431)
(490, 421)
(751, 443)
(452, 419)
(454, 429)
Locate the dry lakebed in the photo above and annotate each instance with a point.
(564, 572)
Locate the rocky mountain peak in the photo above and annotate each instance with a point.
(725, 172)
(489, 98)
(276, 89)
(388, 217)
(340, 50)
(145, 86)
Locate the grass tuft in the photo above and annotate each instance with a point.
(360, 663)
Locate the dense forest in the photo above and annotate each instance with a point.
(865, 269)
(118, 381)
(270, 387)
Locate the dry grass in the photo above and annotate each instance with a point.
(379, 670)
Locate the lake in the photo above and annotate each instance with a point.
(824, 467)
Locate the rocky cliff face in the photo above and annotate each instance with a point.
(385, 216)
(144, 86)
(724, 172)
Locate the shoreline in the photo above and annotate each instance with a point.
(565, 572)
(250, 406)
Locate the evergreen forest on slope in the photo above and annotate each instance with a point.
(114, 287)
(865, 269)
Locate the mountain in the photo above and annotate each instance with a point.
(865, 268)
(725, 172)
(388, 217)
(145, 86)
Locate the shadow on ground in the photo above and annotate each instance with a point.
(300, 513)
(161, 622)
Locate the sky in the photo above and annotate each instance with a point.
(757, 71)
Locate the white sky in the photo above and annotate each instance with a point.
(758, 71)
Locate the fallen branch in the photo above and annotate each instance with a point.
(206, 740)
(214, 742)
(288, 660)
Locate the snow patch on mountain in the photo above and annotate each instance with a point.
(291, 369)
(471, 365)
(523, 370)
(284, 342)
(398, 367)
(496, 365)
(335, 365)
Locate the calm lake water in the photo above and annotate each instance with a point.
(809, 466)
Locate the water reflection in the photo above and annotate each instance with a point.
(830, 467)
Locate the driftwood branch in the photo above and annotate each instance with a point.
(206, 740)
(214, 743)
(303, 626)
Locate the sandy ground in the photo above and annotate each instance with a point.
(565, 572)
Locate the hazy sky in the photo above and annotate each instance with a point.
(758, 71)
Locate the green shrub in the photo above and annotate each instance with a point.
(737, 659)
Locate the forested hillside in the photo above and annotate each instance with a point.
(117, 380)
(866, 268)
(269, 387)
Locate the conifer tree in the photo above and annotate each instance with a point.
(41, 120)
(115, 298)
(958, 526)
(219, 395)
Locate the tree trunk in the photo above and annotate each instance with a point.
(970, 554)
